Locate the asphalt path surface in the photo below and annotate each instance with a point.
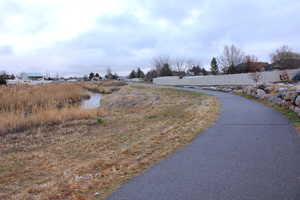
(251, 153)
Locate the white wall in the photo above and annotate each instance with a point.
(230, 79)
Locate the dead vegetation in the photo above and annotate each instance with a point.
(82, 159)
(25, 106)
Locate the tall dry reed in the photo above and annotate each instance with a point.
(24, 106)
(28, 98)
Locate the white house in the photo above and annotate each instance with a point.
(31, 76)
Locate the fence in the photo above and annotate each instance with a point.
(230, 79)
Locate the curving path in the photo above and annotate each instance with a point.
(251, 153)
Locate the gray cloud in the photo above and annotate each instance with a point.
(6, 50)
(133, 37)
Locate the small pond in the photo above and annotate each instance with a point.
(92, 102)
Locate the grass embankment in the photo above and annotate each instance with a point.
(84, 159)
(291, 115)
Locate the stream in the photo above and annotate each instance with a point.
(92, 102)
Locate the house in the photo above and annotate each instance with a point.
(31, 76)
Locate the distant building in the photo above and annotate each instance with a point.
(72, 80)
(135, 80)
(31, 76)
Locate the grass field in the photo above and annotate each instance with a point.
(89, 158)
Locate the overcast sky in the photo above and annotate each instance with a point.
(74, 37)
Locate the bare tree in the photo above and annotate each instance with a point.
(109, 74)
(250, 59)
(285, 58)
(231, 57)
(160, 61)
(190, 63)
(180, 65)
(151, 75)
(250, 62)
(281, 53)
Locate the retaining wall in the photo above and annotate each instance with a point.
(230, 79)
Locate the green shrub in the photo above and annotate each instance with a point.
(100, 120)
(152, 116)
(262, 87)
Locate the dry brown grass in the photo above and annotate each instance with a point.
(84, 160)
(23, 106)
(28, 98)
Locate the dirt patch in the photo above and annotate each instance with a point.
(83, 159)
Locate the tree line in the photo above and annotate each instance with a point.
(231, 61)
(4, 76)
(136, 74)
(96, 76)
(164, 66)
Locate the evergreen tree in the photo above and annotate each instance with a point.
(132, 74)
(140, 73)
(109, 74)
(231, 69)
(3, 77)
(91, 76)
(214, 66)
(151, 75)
(204, 72)
(195, 71)
(165, 70)
(2, 81)
(115, 76)
(98, 76)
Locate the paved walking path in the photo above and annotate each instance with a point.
(251, 153)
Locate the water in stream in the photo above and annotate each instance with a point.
(92, 102)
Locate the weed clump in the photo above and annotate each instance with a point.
(100, 120)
